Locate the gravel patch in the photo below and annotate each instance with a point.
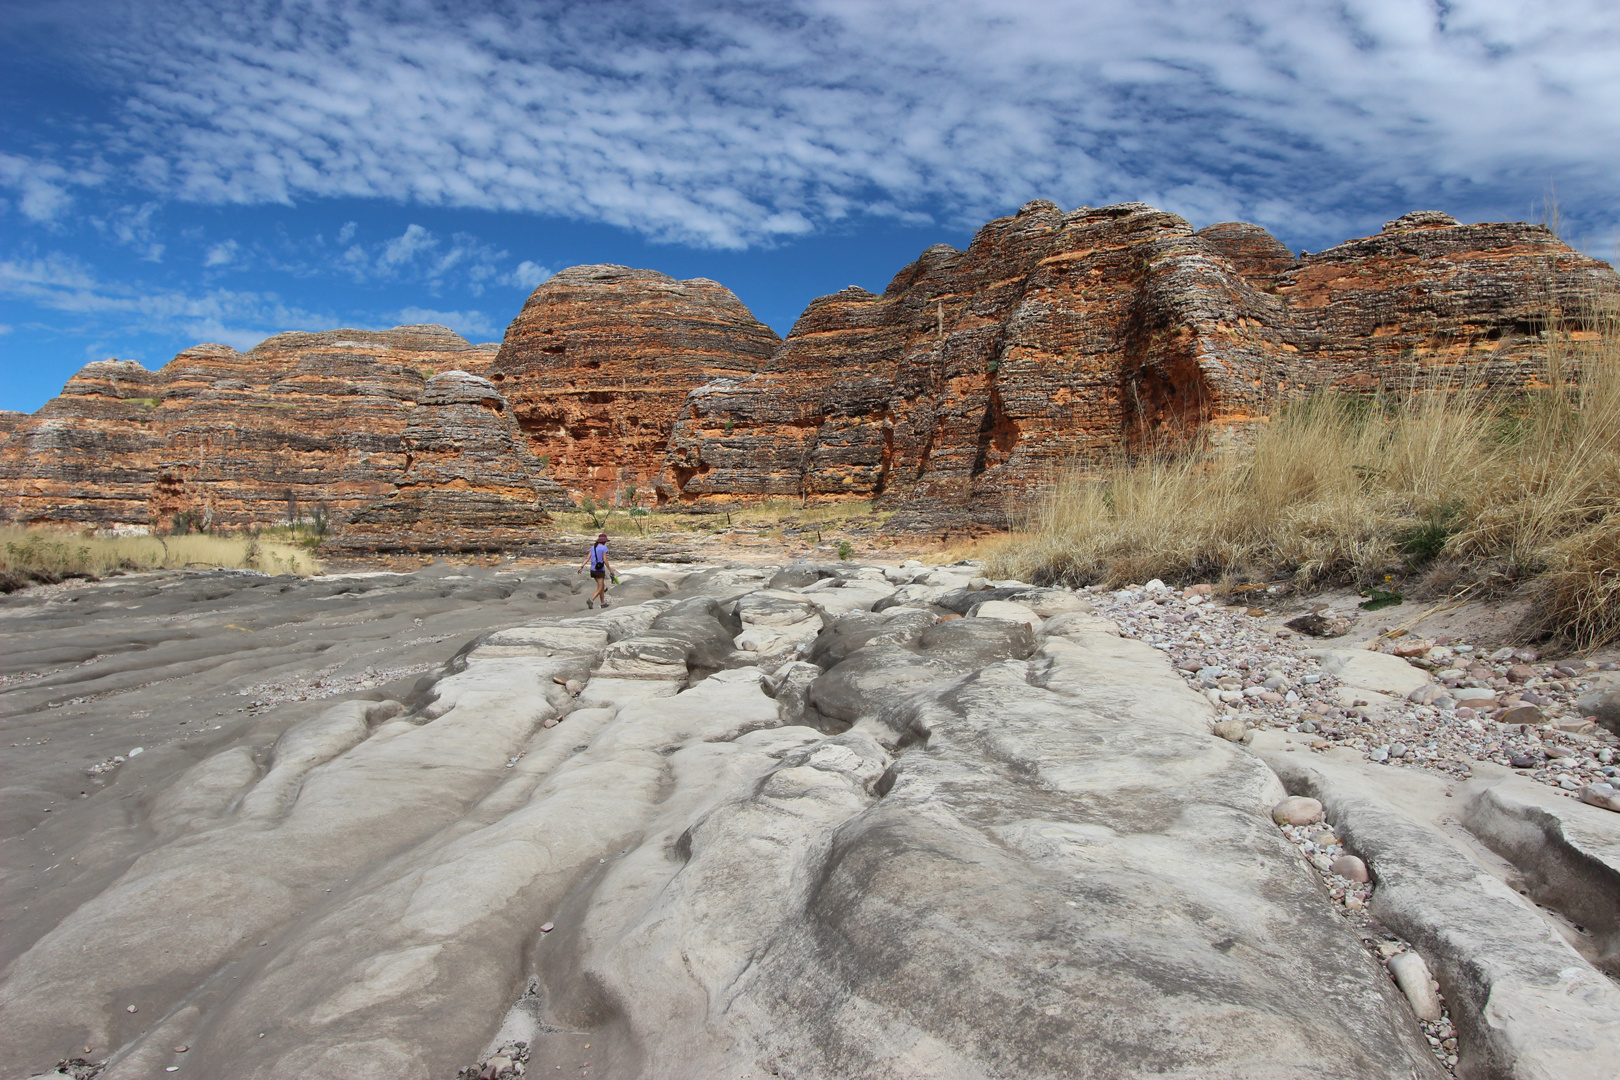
(1503, 705)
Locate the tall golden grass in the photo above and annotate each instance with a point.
(1497, 490)
(40, 554)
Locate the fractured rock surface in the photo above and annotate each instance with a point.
(468, 483)
(908, 844)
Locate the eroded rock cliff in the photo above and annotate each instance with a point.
(1054, 338)
(234, 439)
(1063, 337)
(468, 482)
(600, 359)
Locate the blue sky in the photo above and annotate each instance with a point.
(178, 171)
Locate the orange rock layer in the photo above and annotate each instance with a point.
(1054, 338)
(599, 362)
(218, 438)
(1063, 337)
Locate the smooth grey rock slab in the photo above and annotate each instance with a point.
(1064, 876)
(1015, 863)
(1603, 703)
(1379, 672)
(800, 574)
(1526, 1005)
(1040, 868)
(1568, 852)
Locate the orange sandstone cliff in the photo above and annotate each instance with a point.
(228, 439)
(600, 360)
(1059, 338)
(1054, 338)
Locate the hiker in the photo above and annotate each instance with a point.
(597, 560)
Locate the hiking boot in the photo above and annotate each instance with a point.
(589, 604)
(604, 603)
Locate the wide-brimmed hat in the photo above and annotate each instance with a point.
(601, 539)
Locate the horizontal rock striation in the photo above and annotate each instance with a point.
(1066, 337)
(468, 482)
(232, 439)
(1054, 339)
(600, 359)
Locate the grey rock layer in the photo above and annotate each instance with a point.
(1013, 852)
(1526, 1006)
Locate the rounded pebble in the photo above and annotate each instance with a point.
(1297, 810)
(1350, 868)
(1412, 976)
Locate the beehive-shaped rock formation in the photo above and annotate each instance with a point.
(228, 439)
(600, 359)
(1065, 337)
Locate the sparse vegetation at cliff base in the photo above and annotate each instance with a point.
(40, 555)
(1445, 490)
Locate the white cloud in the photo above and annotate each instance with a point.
(406, 247)
(236, 318)
(419, 255)
(733, 124)
(41, 188)
(528, 275)
(472, 325)
(221, 254)
(133, 226)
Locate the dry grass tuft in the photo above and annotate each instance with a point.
(767, 514)
(50, 555)
(1500, 489)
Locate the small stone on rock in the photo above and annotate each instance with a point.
(1350, 868)
(1523, 714)
(1297, 810)
(1412, 976)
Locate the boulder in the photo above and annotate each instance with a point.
(1379, 672)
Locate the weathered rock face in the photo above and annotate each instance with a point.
(599, 361)
(468, 483)
(1063, 337)
(1055, 338)
(1012, 857)
(228, 438)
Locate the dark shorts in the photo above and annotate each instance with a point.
(598, 573)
